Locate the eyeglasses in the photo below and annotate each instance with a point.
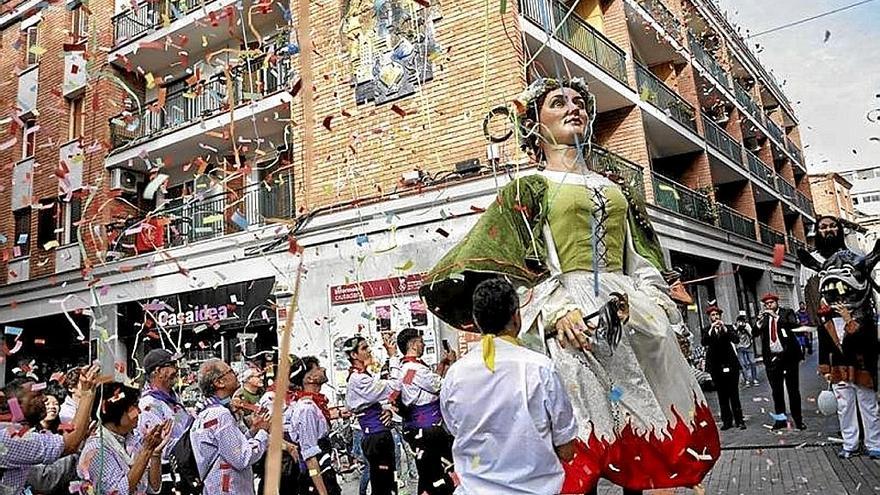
(230, 370)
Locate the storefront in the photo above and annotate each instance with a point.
(45, 345)
(235, 322)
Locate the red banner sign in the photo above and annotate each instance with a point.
(376, 289)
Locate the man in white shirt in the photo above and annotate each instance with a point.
(419, 403)
(782, 356)
(365, 395)
(505, 405)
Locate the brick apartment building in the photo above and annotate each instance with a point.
(832, 196)
(199, 106)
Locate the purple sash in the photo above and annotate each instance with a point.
(369, 420)
(424, 416)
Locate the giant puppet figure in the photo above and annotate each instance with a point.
(589, 269)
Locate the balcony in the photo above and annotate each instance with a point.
(654, 91)
(194, 218)
(736, 223)
(577, 35)
(604, 161)
(794, 151)
(719, 139)
(678, 198)
(770, 237)
(663, 16)
(805, 204)
(147, 16)
(759, 169)
(785, 188)
(207, 103)
(794, 244)
(708, 62)
(744, 99)
(775, 131)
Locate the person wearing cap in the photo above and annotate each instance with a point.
(307, 424)
(423, 428)
(782, 355)
(514, 426)
(719, 340)
(365, 395)
(160, 404)
(744, 350)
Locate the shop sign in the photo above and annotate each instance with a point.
(198, 314)
(376, 289)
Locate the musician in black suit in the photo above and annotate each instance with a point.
(719, 340)
(782, 356)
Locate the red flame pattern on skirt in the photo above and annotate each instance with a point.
(682, 456)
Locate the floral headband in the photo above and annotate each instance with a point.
(543, 86)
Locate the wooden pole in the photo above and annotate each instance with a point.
(282, 377)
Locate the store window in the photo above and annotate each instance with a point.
(22, 232)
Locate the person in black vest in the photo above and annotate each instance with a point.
(719, 340)
(782, 356)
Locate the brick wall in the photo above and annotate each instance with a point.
(622, 131)
(824, 196)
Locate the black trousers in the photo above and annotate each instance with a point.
(728, 396)
(783, 375)
(328, 474)
(379, 450)
(433, 448)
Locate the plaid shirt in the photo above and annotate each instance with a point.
(155, 412)
(19, 451)
(100, 464)
(224, 454)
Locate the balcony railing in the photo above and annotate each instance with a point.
(744, 99)
(759, 169)
(663, 16)
(793, 149)
(804, 203)
(208, 98)
(769, 236)
(785, 188)
(194, 218)
(708, 61)
(719, 139)
(732, 221)
(149, 15)
(678, 198)
(654, 91)
(794, 244)
(577, 34)
(604, 161)
(774, 129)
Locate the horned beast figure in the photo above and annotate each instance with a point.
(848, 344)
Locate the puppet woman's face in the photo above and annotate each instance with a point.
(564, 118)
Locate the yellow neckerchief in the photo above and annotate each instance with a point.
(488, 342)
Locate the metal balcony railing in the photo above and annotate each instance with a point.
(708, 61)
(804, 203)
(744, 99)
(604, 161)
(794, 150)
(794, 244)
(785, 188)
(775, 131)
(148, 16)
(577, 34)
(759, 169)
(197, 218)
(769, 236)
(207, 98)
(654, 91)
(733, 221)
(663, 16)
(719, 139)
(678, 198)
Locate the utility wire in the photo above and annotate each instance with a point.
(808, 19)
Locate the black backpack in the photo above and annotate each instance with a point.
(185, 471)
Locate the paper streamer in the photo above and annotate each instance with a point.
(15, 409)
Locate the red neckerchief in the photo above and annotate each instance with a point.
(410, 359)
(318, 398)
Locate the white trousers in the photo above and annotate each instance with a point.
(850, 398)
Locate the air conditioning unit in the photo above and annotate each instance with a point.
(125, 180)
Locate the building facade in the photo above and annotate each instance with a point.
(832, 196)
(193, 169)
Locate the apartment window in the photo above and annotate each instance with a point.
(32, 43)
(22, 232)
(70, 216)
(47, 222)
(855, 201)
(29, 138)
(79, 24)
(76, 118)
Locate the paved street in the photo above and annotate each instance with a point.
(761, 461)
